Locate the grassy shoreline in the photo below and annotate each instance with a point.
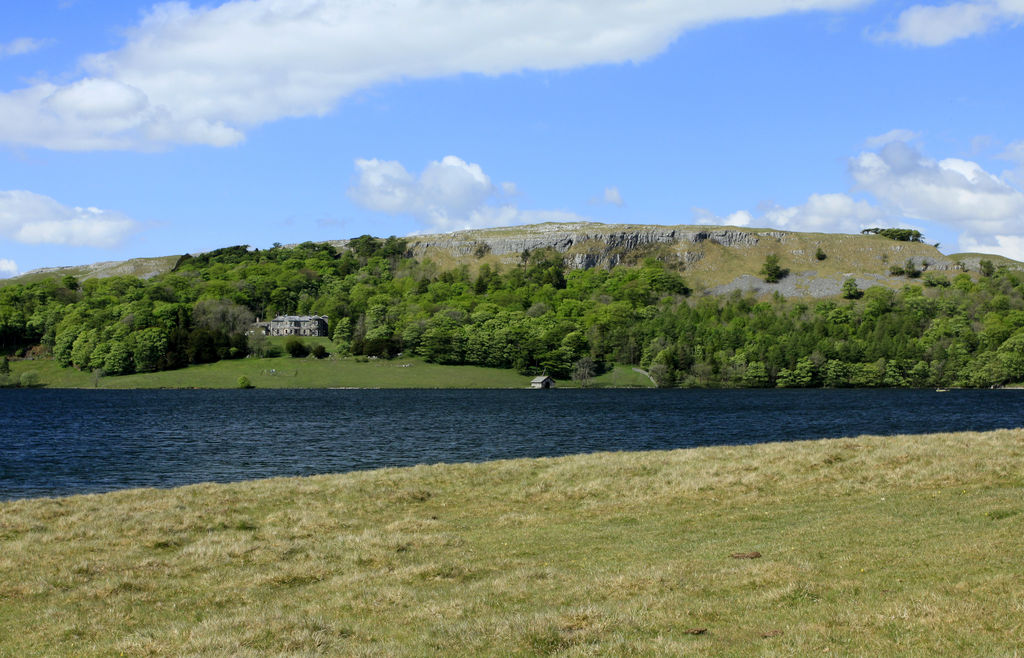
(906, 545)
(286, 372)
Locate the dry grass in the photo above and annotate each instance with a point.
(870, 546)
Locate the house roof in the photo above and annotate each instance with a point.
(542, 378)
(300, 318)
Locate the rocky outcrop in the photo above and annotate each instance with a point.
(585, 245)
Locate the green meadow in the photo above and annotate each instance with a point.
(880, 546)
(308, 372)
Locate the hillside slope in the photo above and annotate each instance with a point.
(716, 259)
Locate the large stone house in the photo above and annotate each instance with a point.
(295, 325)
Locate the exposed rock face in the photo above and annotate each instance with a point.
(585, 245)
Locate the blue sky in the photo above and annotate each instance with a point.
(137, 129)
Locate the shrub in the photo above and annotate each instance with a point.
(319, 351)
(296, 348)
(29, 379)
(243, 382)
(820, 254)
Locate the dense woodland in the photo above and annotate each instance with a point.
(536, 317)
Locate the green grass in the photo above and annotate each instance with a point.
(891, 546)
(286, 372)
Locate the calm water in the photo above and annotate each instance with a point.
(56, 442)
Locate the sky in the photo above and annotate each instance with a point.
(132, 129)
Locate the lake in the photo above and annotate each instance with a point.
(62, 442)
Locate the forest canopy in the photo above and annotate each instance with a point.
(536, 316)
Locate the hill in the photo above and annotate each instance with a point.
(144, 268)
(716, 259)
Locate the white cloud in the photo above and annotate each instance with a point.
(928, 25)
(613, 196)
(1014, 151)
(985, 209)
(36, 219)
(448, 195)
(204, 75)
(22, 46)
(1011, 246)
(897, 135)
(831, 213)
(8, 267)
(955, 192)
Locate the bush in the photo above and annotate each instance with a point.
(319, 351)
(29, 379)
(243, 382)
(296, 348)
(820, 254)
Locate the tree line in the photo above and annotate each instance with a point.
(536, 316)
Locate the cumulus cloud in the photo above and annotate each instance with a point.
(832, 213)
(929, 25)
(22, 46)
(8, 267)
(986, 209)
(448, 195)
(903, 187)
(203, 75)
(32, 218)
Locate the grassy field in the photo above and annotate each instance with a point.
(286, 372)
(892, 546)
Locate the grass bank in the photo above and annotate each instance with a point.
(894, 546)
(286, 372)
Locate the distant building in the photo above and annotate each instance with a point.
(295, 325)
(542, 382)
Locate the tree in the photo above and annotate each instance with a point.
(986, 267)
(850, 289)
(756, 375)
(5, 365)
(222, 315)
(118, 360)
(148, 347)
(319, 351)
(771, 271)
(898, 234)
(583, 371)
(820, 254)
